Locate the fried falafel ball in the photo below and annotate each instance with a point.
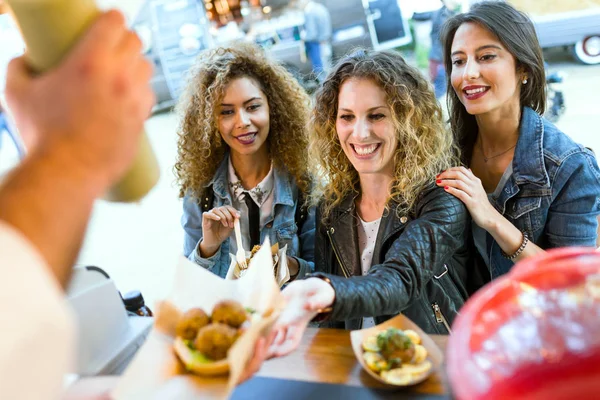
(229, 312)
(191, 322)
(214, 340)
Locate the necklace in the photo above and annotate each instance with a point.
(486, 159)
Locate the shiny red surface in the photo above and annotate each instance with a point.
(516, 338)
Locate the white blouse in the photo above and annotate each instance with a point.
(367, 235)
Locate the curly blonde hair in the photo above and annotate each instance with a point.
(200, 146)
(425, 145)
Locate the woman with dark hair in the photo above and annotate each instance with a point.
(242, 154)
(388, 240)
(527, 185)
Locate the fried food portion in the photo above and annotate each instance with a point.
(412, 371)
(395, 344)
(375, 361)
(229, 312)
(420, 354)
(254, 250)
(214, 340)
(274, 254)
(191, 322)
(397, 356)
(413, 336)
(370, 344)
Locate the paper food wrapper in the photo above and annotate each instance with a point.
(281, 270)
(157, 373)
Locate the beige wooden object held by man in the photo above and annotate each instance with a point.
(50, 28)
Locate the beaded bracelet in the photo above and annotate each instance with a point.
(519, 250)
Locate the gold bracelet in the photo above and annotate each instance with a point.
(324, 313)
(519, 250)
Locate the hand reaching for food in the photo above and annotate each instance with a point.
(305, 299)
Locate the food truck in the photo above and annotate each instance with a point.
(378, 24)
(175, 31)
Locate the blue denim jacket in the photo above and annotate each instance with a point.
(281, 229)
(553, 193)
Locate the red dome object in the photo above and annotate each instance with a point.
(533, 333)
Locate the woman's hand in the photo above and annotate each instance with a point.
(217, 225)
(293, 266)
(305, 299)
(463, 184)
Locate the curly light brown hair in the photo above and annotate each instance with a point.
(425, 145)
(200, 146)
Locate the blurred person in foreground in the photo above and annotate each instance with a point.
(86, 116)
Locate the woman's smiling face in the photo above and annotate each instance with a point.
(243, 116)
(365, 127)
(484, 73)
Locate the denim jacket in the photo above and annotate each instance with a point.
(553, 194)
(281, 229)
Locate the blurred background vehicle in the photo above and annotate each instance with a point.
(573, 25)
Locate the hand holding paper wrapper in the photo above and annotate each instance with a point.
(157, 370)
(281, 269)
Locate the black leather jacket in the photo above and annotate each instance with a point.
(419, 265)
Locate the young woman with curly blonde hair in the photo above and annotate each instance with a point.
(388, 240)
(242, 153)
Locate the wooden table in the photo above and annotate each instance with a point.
(324, 356)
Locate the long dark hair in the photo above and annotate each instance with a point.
(516, 32)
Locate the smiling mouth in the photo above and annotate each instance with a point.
(247, 138)
(475, 93)
(365, 150)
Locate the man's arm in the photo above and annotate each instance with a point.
(49, 200)
(39, 330)
(86, 116)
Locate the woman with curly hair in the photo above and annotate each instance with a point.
(242, 154)
(388, 240)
